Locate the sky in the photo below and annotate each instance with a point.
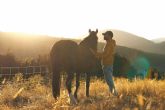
(73, 18)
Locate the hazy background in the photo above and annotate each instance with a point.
(29, 28)
(72, 18)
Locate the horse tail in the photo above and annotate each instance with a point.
(55, 81)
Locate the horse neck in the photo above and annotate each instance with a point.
(86, 43)
(84, 51)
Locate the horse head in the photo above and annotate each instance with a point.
(89, 58)
(90, 41)
(93, 39)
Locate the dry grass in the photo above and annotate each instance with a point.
(34, 94)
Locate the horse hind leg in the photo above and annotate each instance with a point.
(56, 84)
(87, 84)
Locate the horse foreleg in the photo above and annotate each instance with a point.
(77, 84)
(69, 83)
(87, 84)
(68, 86)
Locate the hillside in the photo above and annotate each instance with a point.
(26, 45)
(159, 40)
(155, 60)
(22, 45)
(132, 41)
(31, 43)
(162, 44)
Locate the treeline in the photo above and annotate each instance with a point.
(27, 67)
(120, 68)
(9, 60)
(124, 68)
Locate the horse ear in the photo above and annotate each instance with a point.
(89, 30)
(96, 30)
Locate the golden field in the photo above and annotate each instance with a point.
(35, 94)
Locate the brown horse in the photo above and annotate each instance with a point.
(68, 56)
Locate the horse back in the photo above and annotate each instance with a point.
(64, 55)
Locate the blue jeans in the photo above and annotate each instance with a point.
(108, 74)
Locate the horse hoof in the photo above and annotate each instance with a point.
(87, 95)
(75, 95)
